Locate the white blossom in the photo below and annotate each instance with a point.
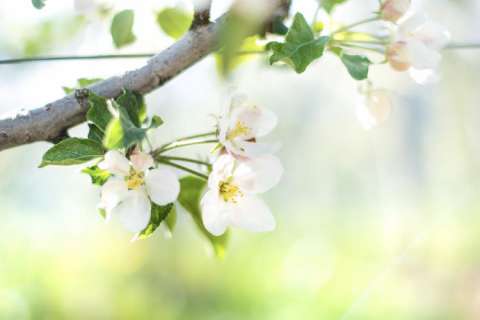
(375, 108)
(232, 198)
(241, 124)
(417, 47)
(127, 194)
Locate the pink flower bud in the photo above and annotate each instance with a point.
(398, 56)
(393, 10)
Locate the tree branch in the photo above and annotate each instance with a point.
(51, 122)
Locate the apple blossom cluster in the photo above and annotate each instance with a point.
(244, 169)
(140, 185)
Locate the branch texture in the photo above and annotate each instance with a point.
(51, 122)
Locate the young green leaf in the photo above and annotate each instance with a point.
(190, 195)
(72, 151)
(156, 122)
(38, 4)
(158, 214)
(249, 49)
(121, 28)
(356, 65)
(121, 132)
(300, 47)
(98, 112)
(133, 104)
(98, 176)
(175, 22)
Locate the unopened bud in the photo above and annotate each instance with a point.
(393, 10)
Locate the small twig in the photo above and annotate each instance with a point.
(454, 46)
(201, 14)
(74, 57)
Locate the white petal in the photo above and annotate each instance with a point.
(134, 211)
(411, 25)
(258, 175)
(141, 161)
(112, 193)
(252, 149)
(252, 214)
(421, 56)
(260, 121)
(215, 213)
(424, 77)
(374, 109)
(115, 163)
(222, 169)
(433, 35)
(162, 185)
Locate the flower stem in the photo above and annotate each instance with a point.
(180, 144)
(200, 162)
(196, 173)
(376, 50)
(350, 26)
(75, 57)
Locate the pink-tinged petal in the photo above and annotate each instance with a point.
(141, 161)
(116, 163)
(134, 211)
(162, 185)
(112, 193)
(215, 213)
(374, 109)
(258, 175)
(252, 214)
(257, 121)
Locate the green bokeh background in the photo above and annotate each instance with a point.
(380, 224)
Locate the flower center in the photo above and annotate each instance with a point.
(135, 179)
(228, 191)
(239, 130)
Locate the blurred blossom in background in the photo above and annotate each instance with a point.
(378, 224)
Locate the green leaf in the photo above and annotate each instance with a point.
(356, 65)
(98, 112)
(329, 5)
(171, 219)
(102, 213)
(121, 132)
(38, 4)
(98, 176)
(95, 134)
(121, 28)
(72, 151)
(156, 122)
(175, 22)
(190, 195)
(158, 214)
(249, 45)
(300, 47)
(133, 104)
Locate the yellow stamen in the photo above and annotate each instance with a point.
(135, 179)
(228, 191)
(239, 130)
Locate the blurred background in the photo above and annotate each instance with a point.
(379, 224)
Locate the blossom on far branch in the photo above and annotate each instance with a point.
(232, 198)
(375, 108)
(417, 47)
(241, 124)
(393, 10)
(127, 194)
